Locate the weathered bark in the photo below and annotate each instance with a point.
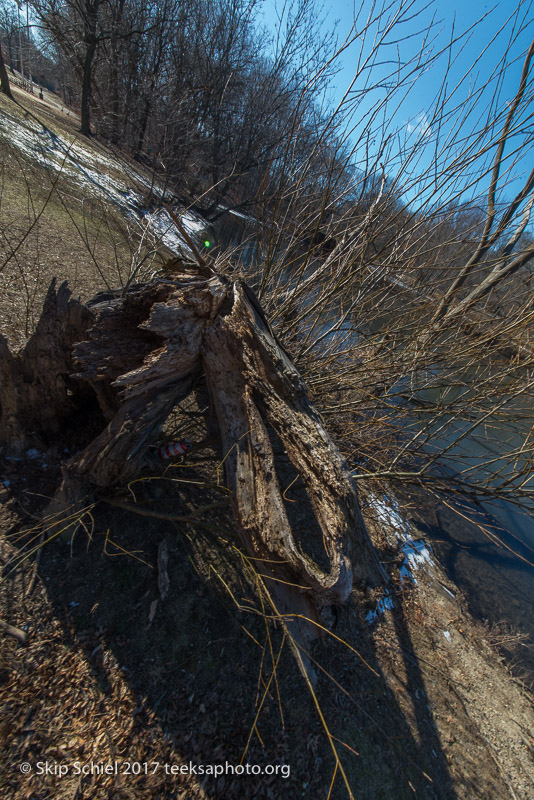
(145, 352)
(5, 88)
(252, 382)
(154, 332)
(90, 12)
(34, 394)
(164, 335)
(87, 79)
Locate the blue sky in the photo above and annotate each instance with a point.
(420, 142)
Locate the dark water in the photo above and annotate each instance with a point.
(490, 564)
(486, 545)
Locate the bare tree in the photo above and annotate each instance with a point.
(4, 80)
(76, 28)
(407, 309)
(11, 32)
(522, 203)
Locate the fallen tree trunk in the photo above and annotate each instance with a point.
(252, 383)
(145, 352)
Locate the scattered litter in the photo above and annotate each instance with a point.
(151, 613)
(163, 575)
(33, 453)
(73, 604)
(7, 483)
(174, 449)
(447, 635)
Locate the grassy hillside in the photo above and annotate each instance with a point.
(58, 216)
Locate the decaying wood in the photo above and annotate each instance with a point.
(22, 636)
(35, 383)
(253, 382)
(145, 352)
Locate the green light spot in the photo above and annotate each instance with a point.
(207, 243)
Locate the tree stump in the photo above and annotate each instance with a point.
(143, 354)
(35, 383)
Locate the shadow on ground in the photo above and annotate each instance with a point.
(114, 673)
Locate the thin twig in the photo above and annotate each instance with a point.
(148, 512)
(22, 636)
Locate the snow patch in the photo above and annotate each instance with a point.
(40, 144)
(73, 159)
(416, 551)
(387, 512)
(162, 226)
(386, 602)
(192, 223)
(239, 214)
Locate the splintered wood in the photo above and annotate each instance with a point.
(143, 353)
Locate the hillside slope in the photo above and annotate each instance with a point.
(117, 670)
(74, 209)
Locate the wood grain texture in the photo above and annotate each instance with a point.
(144, 353)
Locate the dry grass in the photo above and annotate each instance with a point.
(51, 225)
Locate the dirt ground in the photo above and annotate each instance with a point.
(415, 704)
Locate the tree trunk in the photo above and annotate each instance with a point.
(5, 88)
(143, 122)
(87, 74)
